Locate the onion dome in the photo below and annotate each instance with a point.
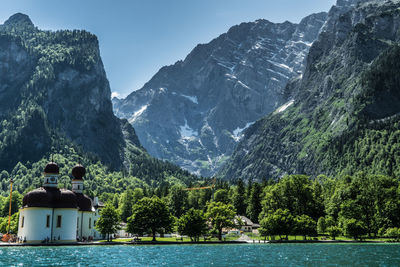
(84, 202)
(78, 172)
(52, 168)
(50, 198)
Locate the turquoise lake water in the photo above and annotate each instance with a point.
(205, 255)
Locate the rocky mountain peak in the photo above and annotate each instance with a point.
(194, 112)
(19, 19)
(346, 98)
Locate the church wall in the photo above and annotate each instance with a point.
(67, 231)
(34, 229)
(84, 230)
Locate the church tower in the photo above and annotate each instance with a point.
(50, 174)
(77, 182)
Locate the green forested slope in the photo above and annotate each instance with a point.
(55, 100)
(345, 112)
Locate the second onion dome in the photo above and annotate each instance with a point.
(78, 172)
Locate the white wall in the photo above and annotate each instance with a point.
(34, 229)
(83, 227)
(67, 231)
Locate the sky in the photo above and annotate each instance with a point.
(137, 38)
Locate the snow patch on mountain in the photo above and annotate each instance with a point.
(187, 132)
(191, 98)
(138, 113)
(238, 132)
(285, 106)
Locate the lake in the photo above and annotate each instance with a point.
(205, 255)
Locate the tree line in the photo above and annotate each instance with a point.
(359, 206)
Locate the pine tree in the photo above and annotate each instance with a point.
(254, 206)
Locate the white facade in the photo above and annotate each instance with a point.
(37, 225)
(86, 225)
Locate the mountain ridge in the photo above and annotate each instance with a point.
(321, 131)
(193, 112)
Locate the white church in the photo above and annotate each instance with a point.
(54, 215)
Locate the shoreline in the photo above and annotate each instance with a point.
(141, 243)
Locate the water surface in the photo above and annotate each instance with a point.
(205, 255)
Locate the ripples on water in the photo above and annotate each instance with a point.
(205, 255)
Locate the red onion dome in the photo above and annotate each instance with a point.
(78, 172)
(52, 168)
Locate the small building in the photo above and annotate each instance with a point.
(246, 224)
(50, 214)
(122, 233)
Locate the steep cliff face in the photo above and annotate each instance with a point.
(53, 85)
(194, 112)
(341, 119)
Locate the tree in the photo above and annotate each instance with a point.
(305, 226)
(221, 195)
(138, 194)
(178, 200)
(254, 206)
(16, 203)
(192, 224)
(239, 198)
(321, 225)
(221, 215)
(393, 233)
(13, 224)
(283, 221)
(333, 231)
(109, 220)
(126, 204)
(150, 215)
(269, 226)
(354, 228)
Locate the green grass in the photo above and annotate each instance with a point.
(171, 239)
(339, 238)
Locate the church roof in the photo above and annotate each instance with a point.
(50, 198)
(84, 202)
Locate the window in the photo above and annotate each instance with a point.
(90, 223)
(77, 222)
(59, 221)
(22, 222)
(79, 187)
(48, 221)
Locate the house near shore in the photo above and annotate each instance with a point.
(247, 225)
(53, 215)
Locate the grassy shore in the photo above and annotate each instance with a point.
(174, 239)
(320, 238)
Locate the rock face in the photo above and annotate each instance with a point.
(342, 116)
(53, 86)
(194, 112)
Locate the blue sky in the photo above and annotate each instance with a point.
(137, 38)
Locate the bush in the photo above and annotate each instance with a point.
(393, 233)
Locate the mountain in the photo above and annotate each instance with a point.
(55, 99)
(343, 115)
(194, 112)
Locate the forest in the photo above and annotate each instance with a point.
(358, 207)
